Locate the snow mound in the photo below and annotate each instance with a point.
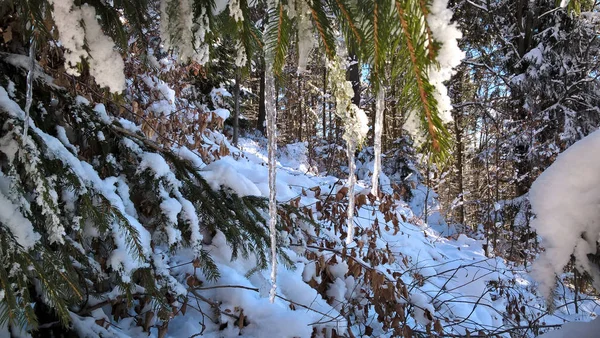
(579, 330)
(565, 199)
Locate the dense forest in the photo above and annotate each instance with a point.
(299, 168)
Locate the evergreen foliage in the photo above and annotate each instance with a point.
(80, 226)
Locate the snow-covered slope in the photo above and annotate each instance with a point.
(448, 281)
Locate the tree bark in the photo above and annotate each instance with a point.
(354, 77)
(300, 110)
(459, 166)
(236, 114)
(260, 123)
(324, 102)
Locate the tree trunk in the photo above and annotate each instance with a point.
(354, 78)
(300, 111)
(236, 114)
(260, 124)
(459, 166)
(324, 103)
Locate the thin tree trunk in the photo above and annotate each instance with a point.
(459, 166)
(354, 77)
(236, 114)
(300, 110)
(260, 124)
(392, 111)
(324, 124)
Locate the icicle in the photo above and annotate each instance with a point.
(272, 141)
(379, 107)
(305, 35)
(350, 149)
(29, 95)
(271, 112)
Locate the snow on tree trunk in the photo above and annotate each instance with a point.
(271, 112)
(379, 107)
(355, 125)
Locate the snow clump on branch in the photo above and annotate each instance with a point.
(106, 64)
(449, 56)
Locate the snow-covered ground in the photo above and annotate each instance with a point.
(449, 280)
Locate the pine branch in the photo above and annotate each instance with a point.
(418, 72)
(323, 27)
(345, 12)
(277, 37)
(430, 41)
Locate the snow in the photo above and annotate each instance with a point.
(171, 207)
(579, 330)
(219, 6)
(218, 95)
(449, 55)
(121, 259)
(106, 64)
(535, 55)
(450, 280)
(127, 124)
(183, 31)
(186, 154)
(11, 89)
(101, 110)
(241, 58)
(158, 165)
(460, 265)
(222, 173)
(165, 102)
(23, 61)
(235, 11)
(222, 113)
(20, 227)
(61, 134)
(565, 200)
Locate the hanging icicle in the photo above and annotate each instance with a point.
(29, 94)
(306, 39)
(379, 107)
(272, 144)
(271, 112)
